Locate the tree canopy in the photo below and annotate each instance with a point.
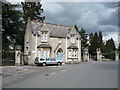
(32, 10)
(94, 39)
(110, 45)
(110, 49)
(14, 19)
(84, 38)
(12, 26)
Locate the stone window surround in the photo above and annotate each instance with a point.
(44, 36)
(72, 38)
(72, 53)
(44, 53)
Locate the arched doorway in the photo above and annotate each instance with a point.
(59, 54)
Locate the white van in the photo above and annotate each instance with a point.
(47, 61)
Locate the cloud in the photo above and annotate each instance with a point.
(93, 16)
(108, 28)
(113, 35)
(55, 8)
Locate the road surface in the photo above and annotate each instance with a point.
(83, 75)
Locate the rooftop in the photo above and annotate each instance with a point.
(56, 30)
(51, 23)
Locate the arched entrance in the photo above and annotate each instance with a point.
(59, 54)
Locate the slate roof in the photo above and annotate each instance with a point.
(44, 46)
(72, 47)
(56, 30)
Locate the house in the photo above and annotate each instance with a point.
(51, 40)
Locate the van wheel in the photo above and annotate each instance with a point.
(44, 64)
(58, 63)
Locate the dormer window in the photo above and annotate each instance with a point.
(72, 39)
(44, 37)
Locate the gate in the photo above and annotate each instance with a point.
(8, 58)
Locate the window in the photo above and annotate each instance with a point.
(75, 54)
(72, 39)
(48, 59)
(53, 59)
(39, 53)
(44, 37)
(45, 54)
(72, 53)
(41, 59)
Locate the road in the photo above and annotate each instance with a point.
(83, 75)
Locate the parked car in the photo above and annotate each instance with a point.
(47, 61)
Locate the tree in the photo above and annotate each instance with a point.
(90, 37)
(93, 43)
(110, 45)
(14, 21)
(84, 38)
(119, 49)
(100, 41)
(12, 25)
(32, 10)
(110, 49)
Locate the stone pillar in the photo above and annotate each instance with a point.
(85, 55)
(79, 50)
(99, 54)
(116, 55)
(22, 63)
(17, 54)
(66, 51)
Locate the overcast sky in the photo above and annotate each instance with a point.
(92, 16)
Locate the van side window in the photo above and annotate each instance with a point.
(47, 59)
(52, 59)
(41, 59)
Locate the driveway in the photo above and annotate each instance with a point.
(83, 75)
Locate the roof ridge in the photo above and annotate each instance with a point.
(51, 23)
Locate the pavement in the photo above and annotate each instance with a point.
(83, 75)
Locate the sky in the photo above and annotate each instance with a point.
(92, 16)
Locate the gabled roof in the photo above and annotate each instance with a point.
(56, 30)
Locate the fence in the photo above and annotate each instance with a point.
(8, 58)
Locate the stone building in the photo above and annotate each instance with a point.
(51, 40)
